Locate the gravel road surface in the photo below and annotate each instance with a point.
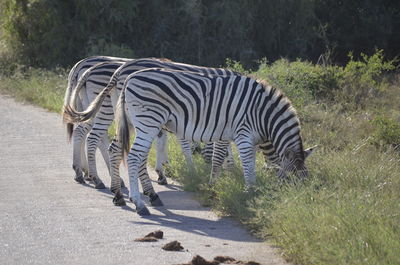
(47, 218)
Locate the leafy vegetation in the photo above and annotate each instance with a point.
(44, 33)
(347, 211)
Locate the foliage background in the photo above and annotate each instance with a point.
(48, 33)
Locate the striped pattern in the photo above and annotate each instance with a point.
(117, 80)
(78, 134)
(208, 108)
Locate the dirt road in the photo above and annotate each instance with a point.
(47, 218)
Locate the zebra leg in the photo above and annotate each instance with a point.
(85, 164)
(161, 157)
(115, 153)
(91, 146)
(247, 152)
(207, 152)
(187, 152)
(103, 120)
(79, 158)
(104, 149)
(147, 186)
(196, 148)
(137, 157)
(116, 182)
(229, 161)
(218, 158)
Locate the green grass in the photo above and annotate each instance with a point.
(347, 212)
(39, 87)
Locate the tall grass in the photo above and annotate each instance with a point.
(347, 211)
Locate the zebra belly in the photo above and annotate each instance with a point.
(198, 132)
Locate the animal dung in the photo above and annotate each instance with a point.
(173, 246)
(151, 237)
(199, 260)
(146, 239)
(157, 234)
(225, 259)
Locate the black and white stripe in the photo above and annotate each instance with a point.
(117, 80)
(208, 108)
(78, 134)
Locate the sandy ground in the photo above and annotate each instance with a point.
(47, 218)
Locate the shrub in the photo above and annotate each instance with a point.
(387, 132)
(361, 80)
(301, 81)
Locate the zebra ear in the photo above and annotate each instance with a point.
(309, 151)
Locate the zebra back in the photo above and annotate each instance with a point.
(72, 115)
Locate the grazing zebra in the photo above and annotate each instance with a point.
(206, 108)
(104, 116)
(94, 79)
(78, 134)
(115, 153)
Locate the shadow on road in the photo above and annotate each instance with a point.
(220, 228)
(175, 199)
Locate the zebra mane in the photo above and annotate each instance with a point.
(278, 92)
(291, 110)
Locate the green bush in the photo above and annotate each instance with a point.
(387, 132)
(351, 85)
(302, 82)
(361, 80)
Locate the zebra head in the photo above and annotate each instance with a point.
(294, 162)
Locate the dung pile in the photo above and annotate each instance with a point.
(151, 237)
(198, 260)
(173, 246)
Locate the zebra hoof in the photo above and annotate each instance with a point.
(79, 179)
(143, 211)
(119, 200)
(87, 177)
(162, 181)
(100, 186)
(156, 201)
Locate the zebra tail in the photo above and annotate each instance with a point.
(70, 129)
(67, 97)
(123, 132)
(74, 116)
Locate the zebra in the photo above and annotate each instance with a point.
(78, 134)
(100, 128)
(98, 74)
(206, 108)
(131, 67)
